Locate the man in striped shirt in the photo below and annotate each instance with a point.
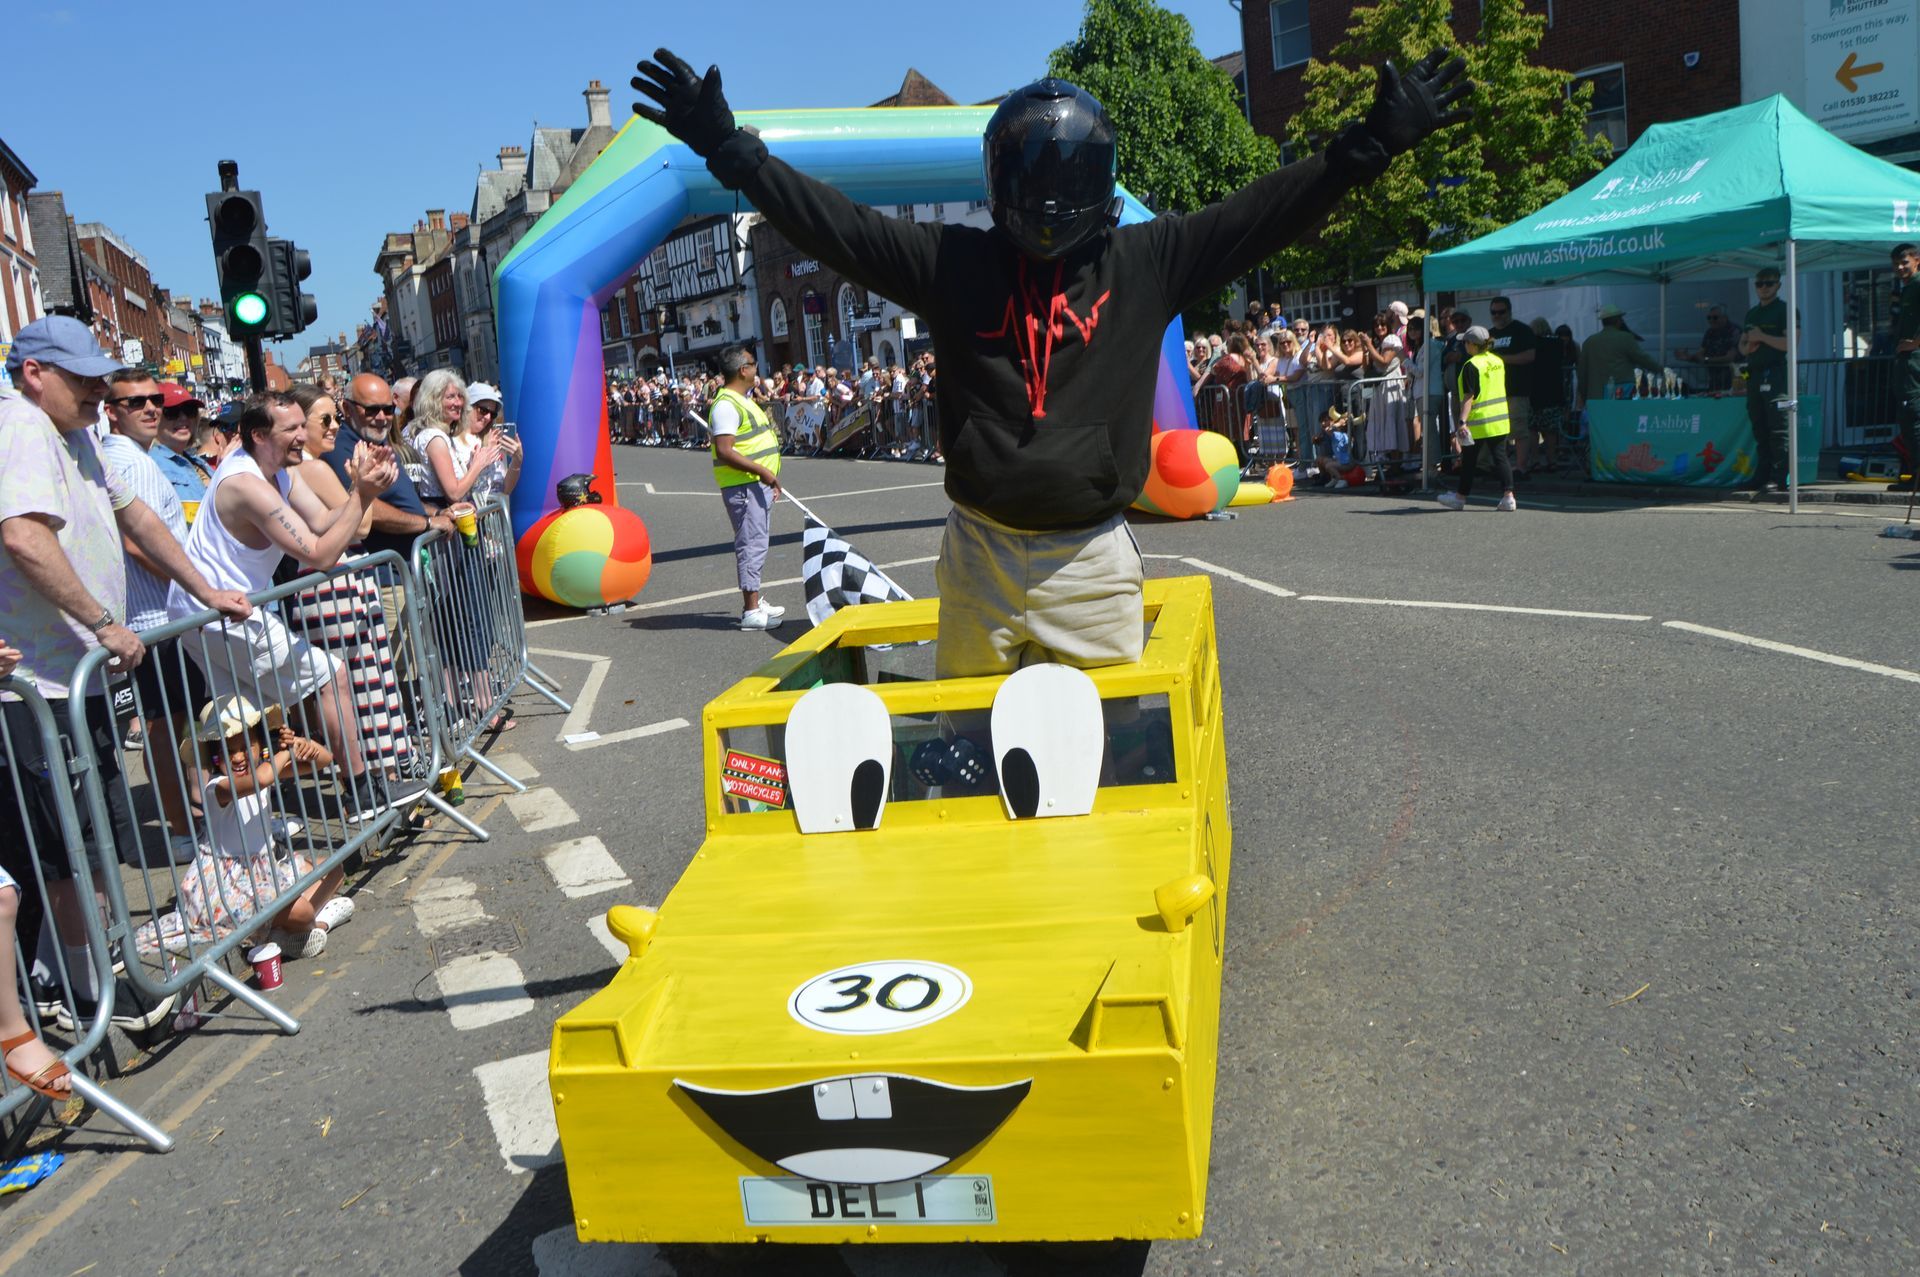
(171, 688)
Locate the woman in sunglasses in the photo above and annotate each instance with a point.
(344, 615)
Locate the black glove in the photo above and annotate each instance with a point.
(1408, 108)
(692, 109)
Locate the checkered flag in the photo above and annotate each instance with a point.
(836, 575)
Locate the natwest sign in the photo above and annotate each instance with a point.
(805, 266)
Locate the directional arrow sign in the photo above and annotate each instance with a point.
(1853, 68)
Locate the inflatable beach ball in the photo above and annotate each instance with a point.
(589, 556)
(1192, 473)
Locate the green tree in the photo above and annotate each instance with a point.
(1184, 140)
(1525, 147)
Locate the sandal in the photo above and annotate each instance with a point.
(40, 1083)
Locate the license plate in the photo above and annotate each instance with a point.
(934, 1199)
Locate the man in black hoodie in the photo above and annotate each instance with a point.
(1047, 328)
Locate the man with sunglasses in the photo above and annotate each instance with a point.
(399, 515)
(1716, 349)
(63, 514)
(172, 448)
(170, 687)
(1763, 343)
(1513, 343)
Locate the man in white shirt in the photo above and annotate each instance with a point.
(257, 511)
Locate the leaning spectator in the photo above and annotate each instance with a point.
(168, 686)
(479, 429)
(174, 445)
(62, 516)
(256, 511)
(344, 613)
(1718, 349)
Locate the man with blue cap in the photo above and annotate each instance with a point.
(63, 592)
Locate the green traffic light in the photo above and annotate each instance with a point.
(250, 309)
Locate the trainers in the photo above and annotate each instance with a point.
(295, 944)
(132, 1010)
(1508, 503)
(758, 619)
(773, 610)
(286, 828)
(334, 914)
(1340, 483)
(1452, 500)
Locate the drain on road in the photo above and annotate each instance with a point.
(497, 935)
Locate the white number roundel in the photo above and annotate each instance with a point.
(880, 997)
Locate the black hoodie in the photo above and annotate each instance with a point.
(1047, 368)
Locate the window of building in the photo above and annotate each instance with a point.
(6, 214)
(812, 307)
(606, 324)
(1607, 112)
(1315, 305)
(703, 253)
(1292, 39)
(626, 318)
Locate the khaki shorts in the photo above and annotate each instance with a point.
(1519, 414)
(1010, 598)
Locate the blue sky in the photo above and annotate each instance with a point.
(350, 131)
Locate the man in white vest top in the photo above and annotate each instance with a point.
(257, 510)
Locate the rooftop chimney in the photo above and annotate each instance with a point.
(596, 95)
(512, 158)
(437, 219)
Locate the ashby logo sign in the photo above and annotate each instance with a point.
(1647, 183)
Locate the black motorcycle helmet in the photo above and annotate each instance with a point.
(576, 490)
(1049, 157)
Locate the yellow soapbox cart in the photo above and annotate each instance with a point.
(976, 1004)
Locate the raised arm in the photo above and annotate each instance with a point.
(889, 256)
(1202, 252)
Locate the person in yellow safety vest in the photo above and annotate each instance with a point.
(746, 465)
(1484, 426)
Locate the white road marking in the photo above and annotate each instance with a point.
(561, 1254)
(521, 1109)
(825, 496)
(1788, 649)
(630, 733)
(444, 904)
(792, 580)
(598, 925)
(584, 867)
(514, 765)
(583, 702)
(1475, 607)
(1265, 587)
(482, 989)
(540, 809)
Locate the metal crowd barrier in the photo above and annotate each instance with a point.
(470, 595)
(1859, 400)
(208, 880)
(30, 742)
(1367, 401)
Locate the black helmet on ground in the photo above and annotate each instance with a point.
(575, 490)
(1049, 157)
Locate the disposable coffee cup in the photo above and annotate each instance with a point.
(266, 965)
(468, 523)
(191, 509)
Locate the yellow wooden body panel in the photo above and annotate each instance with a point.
(1078, 983)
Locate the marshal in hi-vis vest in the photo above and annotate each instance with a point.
(1488, 417)
(757, 441)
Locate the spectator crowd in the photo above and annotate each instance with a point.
(242, 750)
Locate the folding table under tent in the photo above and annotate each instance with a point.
(1714, 197)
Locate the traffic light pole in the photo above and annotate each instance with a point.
(257, 365)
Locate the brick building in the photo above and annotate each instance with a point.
(1645, 64)
(141, 318)
(19, 268)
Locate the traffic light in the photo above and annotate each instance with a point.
(292, 310)
(240, 256)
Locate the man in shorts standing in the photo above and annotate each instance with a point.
(1048, 327)
(63, 579)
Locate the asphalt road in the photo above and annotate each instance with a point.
(1558, 943)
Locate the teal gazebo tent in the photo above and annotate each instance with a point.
(1712, 197)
